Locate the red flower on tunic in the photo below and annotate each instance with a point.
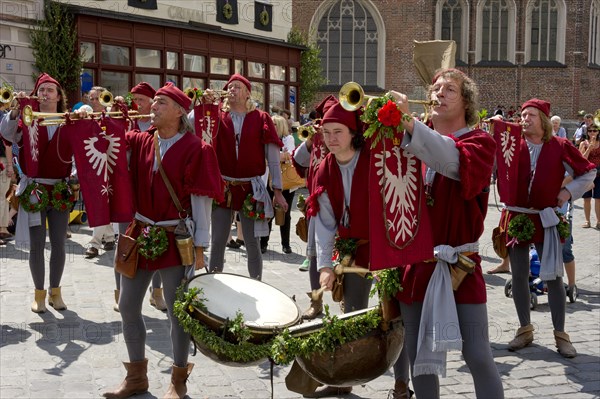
(389, 114)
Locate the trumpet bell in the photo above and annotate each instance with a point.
(6, 95)
(306, 132)
(351, 96)
(191, 93)
(106, 98)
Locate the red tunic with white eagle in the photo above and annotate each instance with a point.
(329, 181)
(547, 179)
(257, 130)
(457, 217)
(192, 168)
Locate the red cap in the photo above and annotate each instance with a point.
(542, 105)
(325, 105)
(144, 89)
(334, 112)
(171, 91)
(237, 76)
(44, 78)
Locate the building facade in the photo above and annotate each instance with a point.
(514, 49)
(194, 44)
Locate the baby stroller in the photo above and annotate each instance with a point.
(536, 284)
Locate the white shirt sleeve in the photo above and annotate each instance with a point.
(201, 211)
(437, 151)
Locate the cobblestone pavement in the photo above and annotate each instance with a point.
(77, 353)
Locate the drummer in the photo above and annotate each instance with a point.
(339, 204)
(192, 170)
(459, 163)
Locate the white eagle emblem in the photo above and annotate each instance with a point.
(319, 154)
(103, 162)
(33, 140)
(508, 147)
(400, 192)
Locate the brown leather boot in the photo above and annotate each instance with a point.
(523, 337)
(400, 391)
(55, 299)
(117, 296)
(136, 381)
(315, 308)
(39, 302)
(157, 300)
(564, 345)
(177, 387)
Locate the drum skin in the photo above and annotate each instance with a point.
(357, 362)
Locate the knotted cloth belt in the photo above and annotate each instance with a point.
(439, 329)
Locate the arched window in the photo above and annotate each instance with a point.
(545, 31)
(351, 35)
(496, 31)
(452, 23)
(594, 52)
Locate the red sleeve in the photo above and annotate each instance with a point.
(476, 160)
(301, 170)
(202, 175)
(573, 157)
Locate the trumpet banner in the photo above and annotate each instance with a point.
(508, 144)
(400, 229)
(206, 118)
(101, 159)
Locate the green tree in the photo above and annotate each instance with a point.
(54, 44)
(311, 72)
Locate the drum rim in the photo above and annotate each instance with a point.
(252, 327)
(302, 329)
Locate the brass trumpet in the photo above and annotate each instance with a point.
(6, 95)
(306, 131)
(352, 97)
(193, 94)
(106, 99)
(58, 118)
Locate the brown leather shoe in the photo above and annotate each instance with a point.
(523, 337)
(329, 391)
(564, 345)
(91, 252)
(179, 376)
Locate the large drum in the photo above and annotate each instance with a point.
(356, 362)
(266, 309)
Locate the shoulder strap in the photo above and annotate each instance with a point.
(164, 176)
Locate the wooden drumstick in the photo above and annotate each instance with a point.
(339, 269)
(315, 295)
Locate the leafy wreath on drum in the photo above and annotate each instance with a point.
(283, 348)
(334, 333)
(241, 351)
